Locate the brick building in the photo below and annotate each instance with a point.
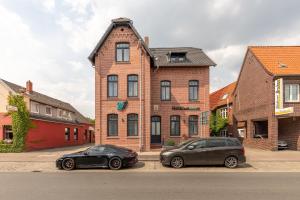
(145, 96)
(220, 103)
(266, 97)
(55, 123)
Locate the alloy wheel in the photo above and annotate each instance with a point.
(231, 162)
(68, 164)
(177, 162)
(115, 163)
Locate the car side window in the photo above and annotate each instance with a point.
(96, 149)
(199, 144)
(216, 143)
(233, 143)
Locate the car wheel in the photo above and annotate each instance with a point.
(115, 163)
(231, 162)
(177, 162)
(68, 164)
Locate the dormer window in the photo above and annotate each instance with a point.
(122, 52)
(177, 57)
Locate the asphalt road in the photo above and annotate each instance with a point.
(149, 186)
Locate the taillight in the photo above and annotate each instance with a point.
(243, 151)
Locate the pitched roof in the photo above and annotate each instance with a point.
(222, 96)
(44, 99)
(278, 60)
(194, 57)
(122, 21)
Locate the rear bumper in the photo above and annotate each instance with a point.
(129, 162)
(241, 159)
(58, 163)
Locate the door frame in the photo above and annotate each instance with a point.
(158, 136)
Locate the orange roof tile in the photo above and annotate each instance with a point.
(217, 98)
(278, 60)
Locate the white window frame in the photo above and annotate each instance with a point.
(50, 110)
(290, 97)
(36, 105)
(224, 113)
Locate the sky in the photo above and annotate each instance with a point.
(48, 41)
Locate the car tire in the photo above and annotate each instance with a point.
(231, 162)
(68, 164)
(177, 162)
(115, 163)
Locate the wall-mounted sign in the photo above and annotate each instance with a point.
(279, 110)
(121, 105)
(10, 108)
(184, 108)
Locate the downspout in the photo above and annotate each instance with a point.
(141, 118)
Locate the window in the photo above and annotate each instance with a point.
(216, 143)
(132, 125)
(291, 92)
(165, 90)
(155, 125)
(85, 134)
(8, 133)
(175, 125)
(260, 129)
(59, 113)
(96, 149)
(122, 52)
(132, 85)
(193, 125)
(224, 132)
(224, 113)
(112, 84)
(67, 134)
(193, 90)
(34, 107)
(199, 144)
(178, 57)
(112, 125)
(75, 133)
(204, 118)
(48, 110)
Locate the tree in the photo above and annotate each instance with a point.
(217, 122)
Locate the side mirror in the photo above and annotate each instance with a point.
(191, 147)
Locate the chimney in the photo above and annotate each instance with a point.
(146, 40)
(29, 87)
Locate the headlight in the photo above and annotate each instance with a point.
(167, 153)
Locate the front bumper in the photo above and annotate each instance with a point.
(165, 160)
(59, 163)
(129, 162)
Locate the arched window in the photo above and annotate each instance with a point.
(112, 86)
(193, 125)
(175, 125)
(132, 125)
(165, 90)
(112, 125)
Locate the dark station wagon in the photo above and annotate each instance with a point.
(205, 151)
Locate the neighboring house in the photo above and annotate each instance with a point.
(266, 105)
(55, 123)
(145, 96)
(221, 103)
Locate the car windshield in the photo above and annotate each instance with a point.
(184, 143)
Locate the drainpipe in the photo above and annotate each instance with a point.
(141, 118)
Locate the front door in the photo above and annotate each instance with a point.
(155, 130)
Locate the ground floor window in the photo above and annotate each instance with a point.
(8, 133)
(260, 129)
(75, 133)
(193, 125)
(224, 132)
(175, 125)
(132, 125)
(67, 134)
(112, 125)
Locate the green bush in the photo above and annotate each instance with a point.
(20, 125)
(170, 143)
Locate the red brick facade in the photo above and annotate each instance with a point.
(254, 100)
(150, 104)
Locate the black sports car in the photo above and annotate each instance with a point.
(100, 156)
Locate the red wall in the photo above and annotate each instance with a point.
(49, 135)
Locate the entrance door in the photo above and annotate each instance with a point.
(155, 130)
